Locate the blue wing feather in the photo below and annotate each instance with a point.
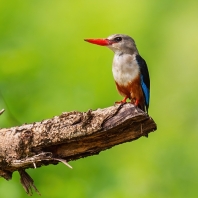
(146, 91)
(145, 79)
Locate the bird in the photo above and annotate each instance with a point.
(129, 69)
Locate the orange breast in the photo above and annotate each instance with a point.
(132, 90)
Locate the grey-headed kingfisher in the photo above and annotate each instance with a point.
(130, 70)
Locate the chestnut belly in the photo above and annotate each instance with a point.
(132, 90)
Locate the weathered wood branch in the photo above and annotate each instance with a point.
(70, 136)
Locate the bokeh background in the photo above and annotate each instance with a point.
(46, 68)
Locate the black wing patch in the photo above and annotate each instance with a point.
(145, 79)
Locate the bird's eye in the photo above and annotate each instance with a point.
(118, 39)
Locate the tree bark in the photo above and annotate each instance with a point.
(70, 136)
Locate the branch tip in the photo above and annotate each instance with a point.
(63, 161)
(2, 110)
(34, 165)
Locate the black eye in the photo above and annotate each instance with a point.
(118, 39)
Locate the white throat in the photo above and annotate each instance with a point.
(125, 68)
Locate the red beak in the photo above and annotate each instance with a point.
(103, 42)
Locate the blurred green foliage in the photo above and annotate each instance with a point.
(46, 68)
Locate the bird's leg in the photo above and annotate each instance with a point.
(122, 101)
(136, 103)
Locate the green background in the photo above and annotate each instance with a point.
(46, 68)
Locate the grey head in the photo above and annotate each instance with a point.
(121, 43)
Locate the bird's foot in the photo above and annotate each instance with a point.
(122, 101)
(135, 102)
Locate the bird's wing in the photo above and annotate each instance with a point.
(145, 79)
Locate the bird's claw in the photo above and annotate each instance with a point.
(120, 102)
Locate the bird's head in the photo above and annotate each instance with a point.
(118, 43)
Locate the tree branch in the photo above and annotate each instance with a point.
(70, 136)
